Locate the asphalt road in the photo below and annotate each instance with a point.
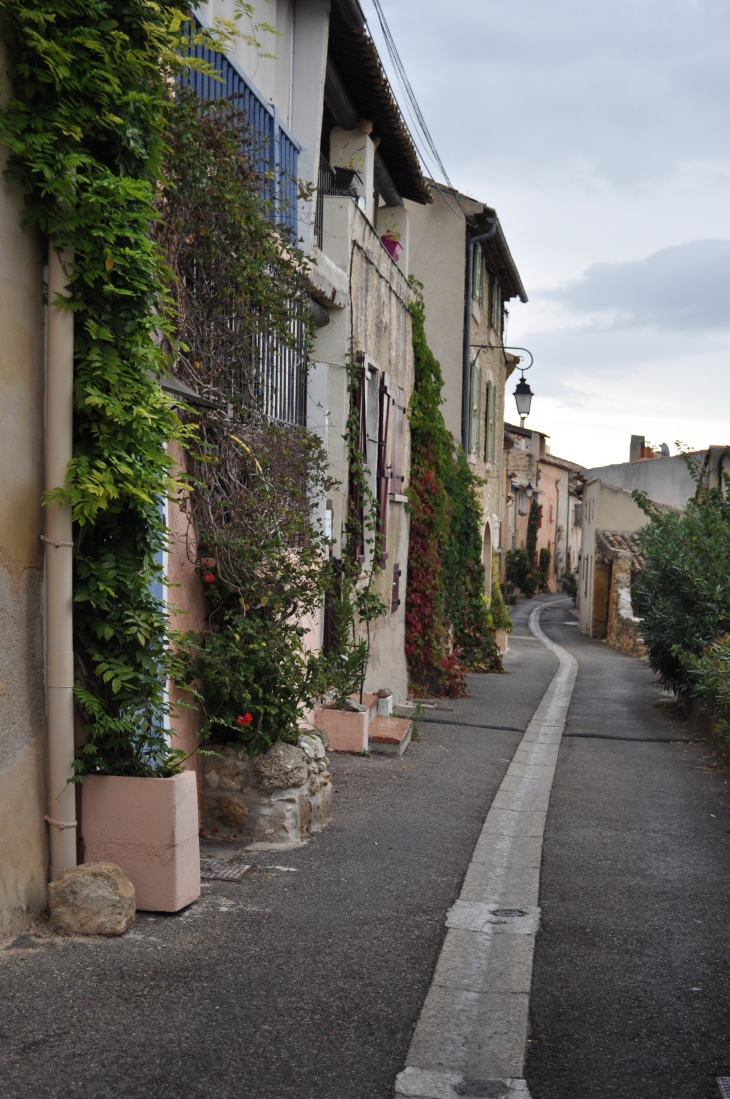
(631, 985)
(296, 983)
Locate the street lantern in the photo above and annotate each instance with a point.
(523, 398)
(529, 491)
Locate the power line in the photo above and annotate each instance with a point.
(418, 122)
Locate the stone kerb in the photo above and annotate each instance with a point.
(279, 797)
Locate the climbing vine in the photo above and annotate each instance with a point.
(447, 623)
(84, 125)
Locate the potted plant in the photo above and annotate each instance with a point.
(139, 805)
(391, 239)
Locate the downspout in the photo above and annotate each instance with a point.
(466, 364)
(58, 571)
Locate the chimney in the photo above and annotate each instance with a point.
(637, 445)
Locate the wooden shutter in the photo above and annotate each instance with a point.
(395, 589)
(476, 408)
(357, 500)
(383, 470)
(490, 423)
(397, 439)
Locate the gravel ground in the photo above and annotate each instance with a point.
(631, 986)
(305, 979)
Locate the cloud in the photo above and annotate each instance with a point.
(686, 286)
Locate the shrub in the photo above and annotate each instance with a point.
(710, 676)
(569, 584)
(683, 594)
(499, 618)
(544, 568)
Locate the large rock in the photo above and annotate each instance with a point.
(283, 766)
(96, 898)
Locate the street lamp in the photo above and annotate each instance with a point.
(523, 399)
(523, 393)
(529, 490)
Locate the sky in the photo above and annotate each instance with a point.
(599, 131)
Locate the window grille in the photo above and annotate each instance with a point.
(259, 374)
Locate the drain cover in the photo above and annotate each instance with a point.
(723, 1082)
(222, 870)
(487, 1089)
(508, 912)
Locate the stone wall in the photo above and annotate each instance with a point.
(623, 627)
(279, 797)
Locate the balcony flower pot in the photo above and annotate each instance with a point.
(345, 180)
(392, 246)
(148, 827)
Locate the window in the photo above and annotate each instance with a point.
(390, 473)
(577, 515)
(490, 423)
(478, 275)
(522, 503)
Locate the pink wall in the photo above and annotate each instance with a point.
(186, 595)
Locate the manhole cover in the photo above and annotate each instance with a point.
(488, 1089)
(723, 1082)
(222, 870)
(508, 912)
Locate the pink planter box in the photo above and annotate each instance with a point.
(149, 827)
(348, 731)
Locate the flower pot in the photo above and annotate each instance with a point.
(345, 179)
(348, 731)
(149, 827)
(393, 247)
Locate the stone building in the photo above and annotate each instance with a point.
(610, 519)
(459, 253)
(531, 472)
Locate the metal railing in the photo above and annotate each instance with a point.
(259, 374)
(273, 148)
(326, 185)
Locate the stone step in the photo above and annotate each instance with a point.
(389, 734)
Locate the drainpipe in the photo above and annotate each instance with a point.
(58, 572)
(471, 242)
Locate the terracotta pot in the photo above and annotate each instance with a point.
(394, 247)
(348, 731)
(149, 827)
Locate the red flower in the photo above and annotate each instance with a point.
(244, 719)
(209, 577)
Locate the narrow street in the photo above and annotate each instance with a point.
(307, 978)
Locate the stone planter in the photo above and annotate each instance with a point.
(148, 827)
(347, 730)
(501, 640)
(279, 797)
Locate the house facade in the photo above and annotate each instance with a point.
(459, 253)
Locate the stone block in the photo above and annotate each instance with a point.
(92, 899)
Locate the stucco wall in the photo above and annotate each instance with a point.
(666, 480)
(437, 259)
(22, 701)
(378, 324)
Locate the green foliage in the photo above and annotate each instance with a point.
(499, 618)
(466, 606)
(251, 681)
(709, 678)
(533, 522)
(683, 594)
(569, 584)
(544, 568)
(445, 602)
(84, 126)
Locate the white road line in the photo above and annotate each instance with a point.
(471, 1036)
